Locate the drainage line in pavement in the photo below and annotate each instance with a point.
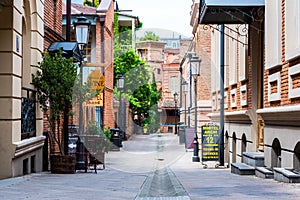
(162, 184)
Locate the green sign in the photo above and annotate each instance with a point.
(210, 142)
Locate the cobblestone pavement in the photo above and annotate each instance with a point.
(148, 167)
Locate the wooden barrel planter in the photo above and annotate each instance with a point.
(62, 164)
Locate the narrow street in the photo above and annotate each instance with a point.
(151, 166)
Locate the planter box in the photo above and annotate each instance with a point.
(62, 164)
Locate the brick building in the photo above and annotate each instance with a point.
(261, 78)
(98, 58)
(281, 88)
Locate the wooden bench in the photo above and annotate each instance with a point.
(263, 172)
(242, 169)
(286, 176)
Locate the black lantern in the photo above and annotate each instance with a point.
(82, 28)
(195, 66)
(120, 82)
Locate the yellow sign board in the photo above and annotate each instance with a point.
(97, 80)
(96, 101)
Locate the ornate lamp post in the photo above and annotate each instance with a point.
(82, 27)
(120, 86)
(176, 112)
(185, 91)
(195, 72)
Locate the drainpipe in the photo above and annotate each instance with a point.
(68, 24)
(102, 21)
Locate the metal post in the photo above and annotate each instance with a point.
(196, 144)
(221, 139)
(176, 118)
(80, 103)
(189, 109)
(120, 112)
(68, 22)
(180, 70)
(185, 120)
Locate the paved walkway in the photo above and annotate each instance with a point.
(128, 171)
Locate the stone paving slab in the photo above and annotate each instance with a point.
(220, 184)
(115, 183)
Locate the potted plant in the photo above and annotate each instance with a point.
(54, 83)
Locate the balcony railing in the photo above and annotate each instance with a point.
(28, 115)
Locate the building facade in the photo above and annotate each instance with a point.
(98, 63)
(21, 121)
(281, 102)
(261, 78)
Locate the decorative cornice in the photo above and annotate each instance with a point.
(235, 116)
(283, 115)
(29, 145)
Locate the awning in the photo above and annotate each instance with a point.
(228, 11)
(69, 50)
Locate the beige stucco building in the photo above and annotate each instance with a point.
(21, 38)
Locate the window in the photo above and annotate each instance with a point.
(28, 114)
(158, 71)
(174, 85)
(274, 87)
(273, 33)
(292, 29)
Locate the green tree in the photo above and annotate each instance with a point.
(140, 91)
(92, 3)
(54, 83)
(149, 35)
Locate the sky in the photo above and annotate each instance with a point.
(173, 15)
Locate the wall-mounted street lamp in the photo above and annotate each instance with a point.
(176, 111)
(82, 27)
(121, 116)
(195, 72)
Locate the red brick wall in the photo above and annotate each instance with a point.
(203, 50)
(53, 21)
(108, 116)
(53, 15)
(284, 100)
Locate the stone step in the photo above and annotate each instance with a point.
(242, 169)
(264, 172)
(254, 159)
(286, 175)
